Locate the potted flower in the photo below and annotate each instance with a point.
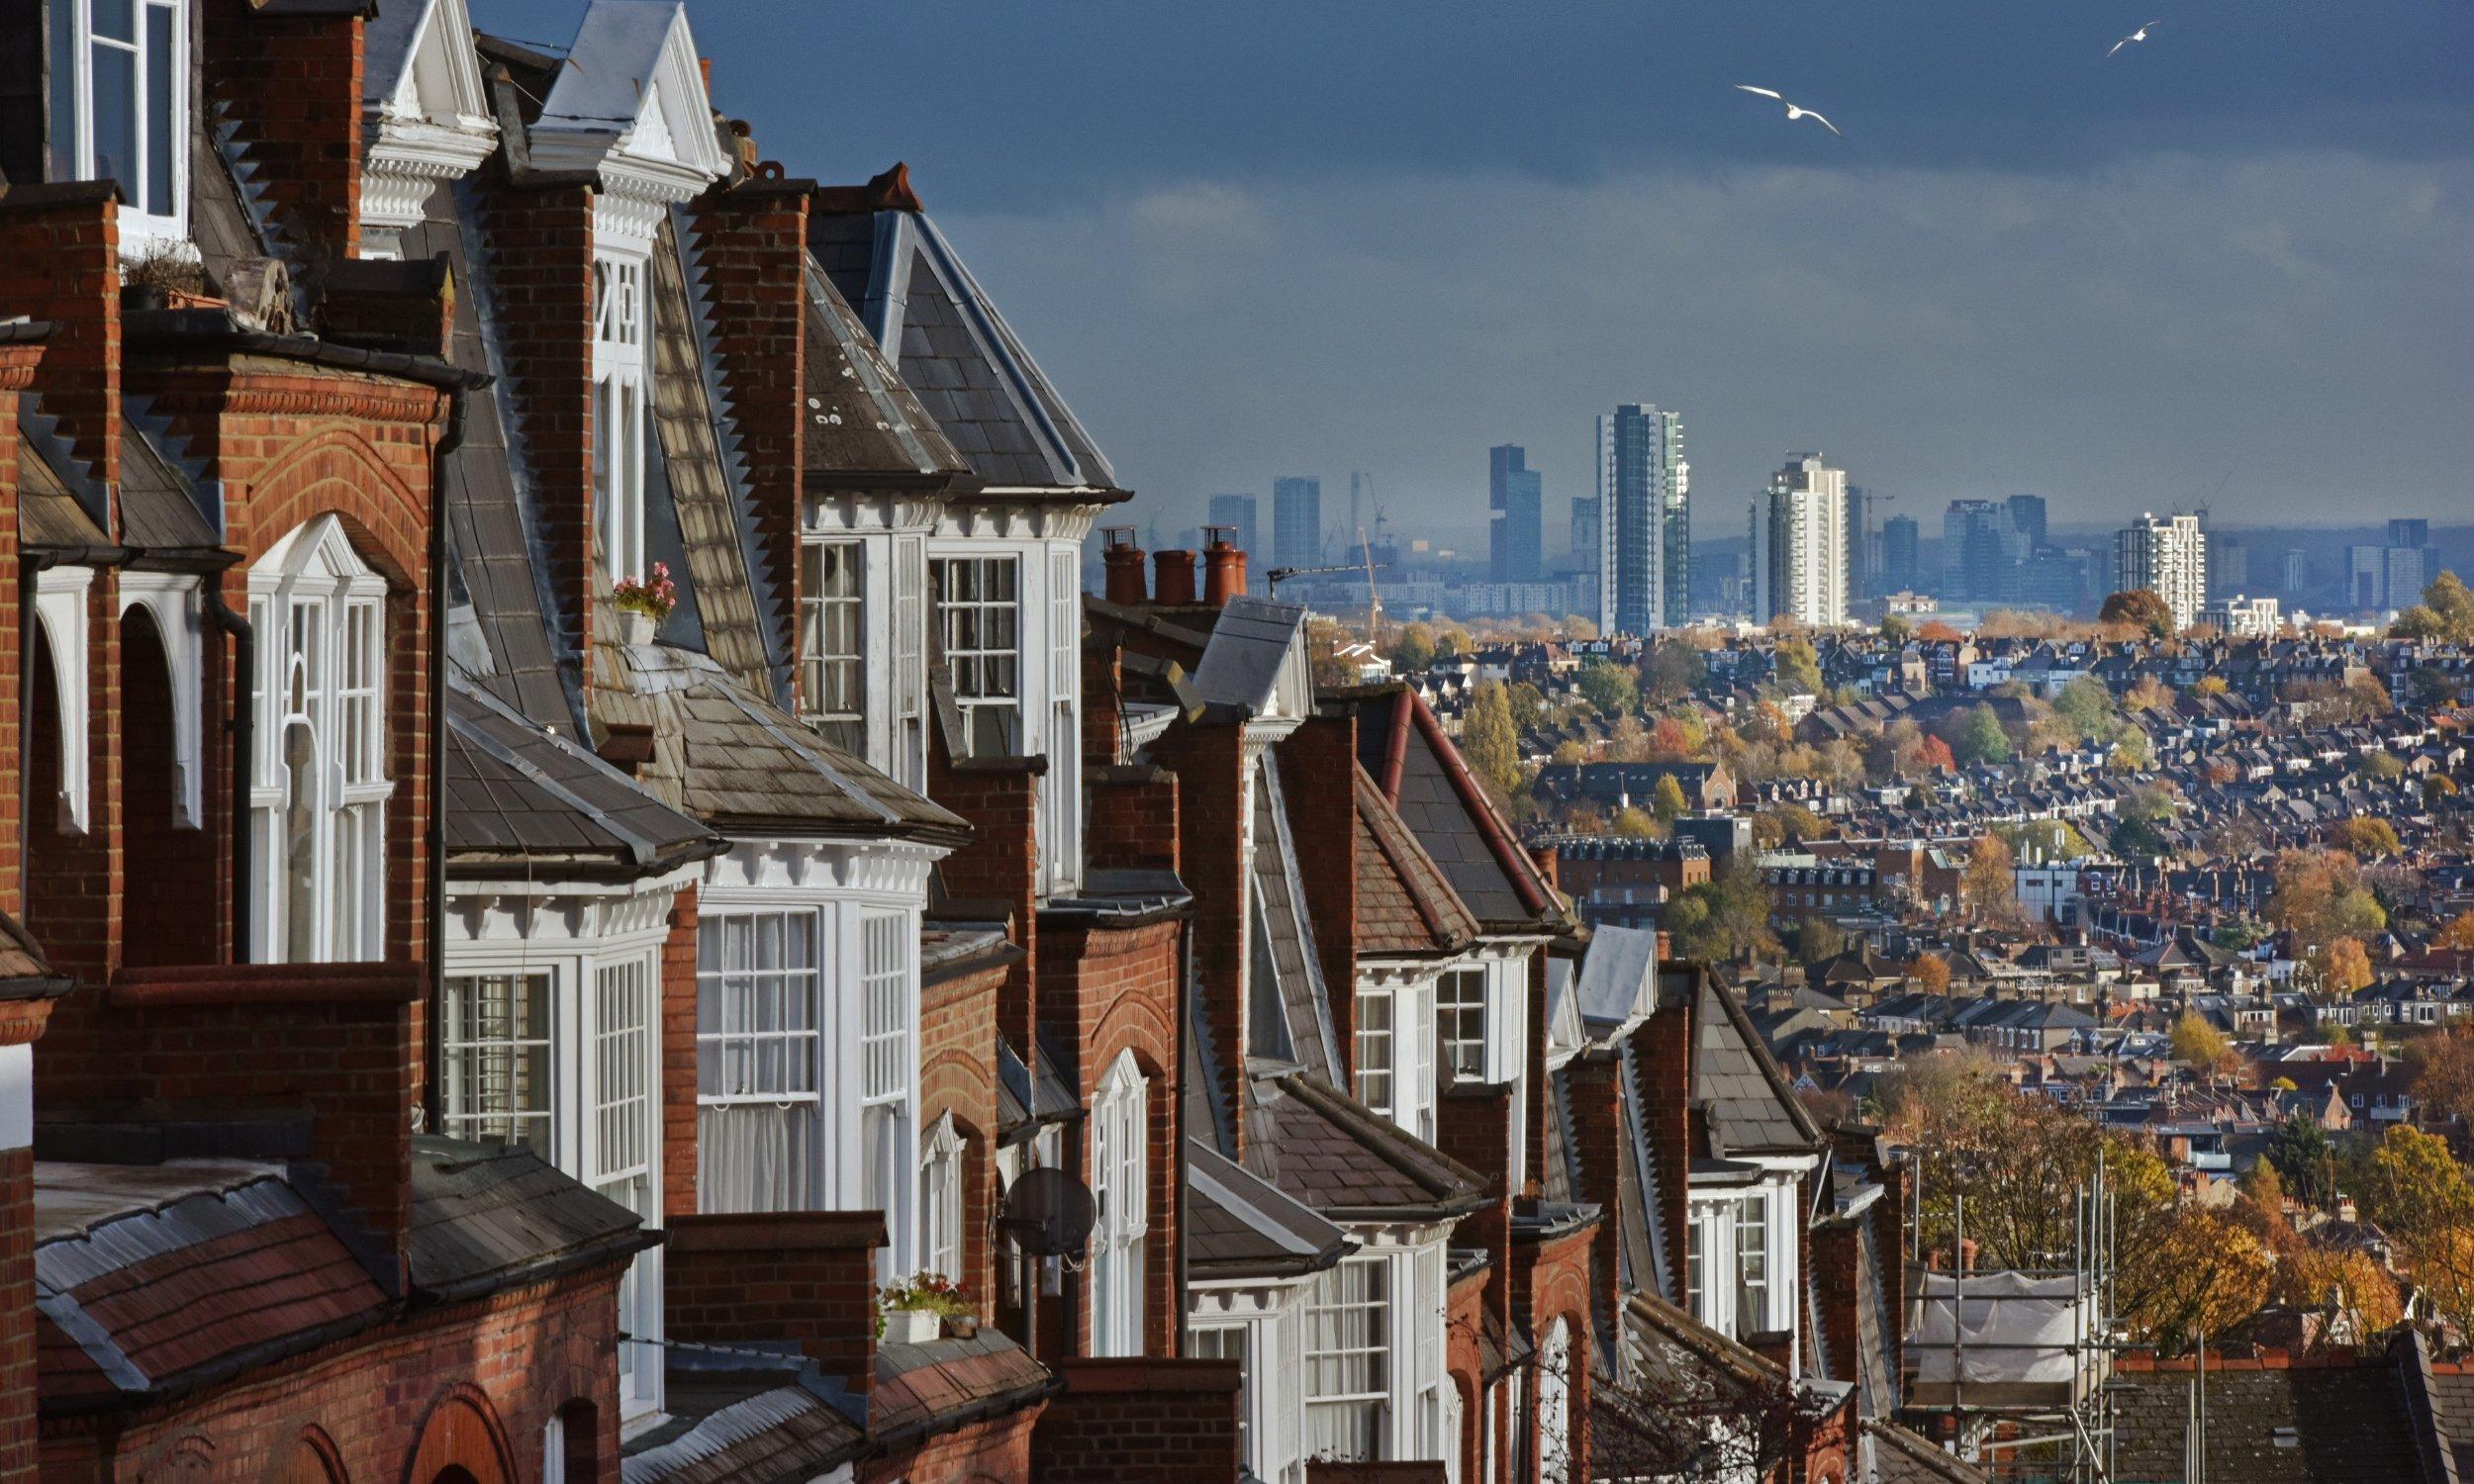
(918, 1310)
(643, 602)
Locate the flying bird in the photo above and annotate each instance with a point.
(1794, 113)
(2140, 34)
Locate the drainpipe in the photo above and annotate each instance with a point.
(436, 826)
(244, 730)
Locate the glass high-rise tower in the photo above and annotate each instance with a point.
(1645, 558)
(1515, 508)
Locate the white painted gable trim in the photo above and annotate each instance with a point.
(428, 121)
(630, 106)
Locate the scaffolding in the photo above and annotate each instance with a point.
(2017, 1364)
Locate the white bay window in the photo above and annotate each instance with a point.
(1348, 1361)
(319, 791)
(758, 1098)
(618, 416)
(120, 109)
(1121, 1175)
(833, 649)
(979, 621)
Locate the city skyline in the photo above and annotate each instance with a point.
(1998, 260)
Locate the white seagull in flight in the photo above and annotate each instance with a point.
(1794, 113)
(2140, 34)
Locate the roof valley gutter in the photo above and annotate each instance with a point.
(451, 439)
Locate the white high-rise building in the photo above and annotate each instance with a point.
(2168, 556)
(1799, 544)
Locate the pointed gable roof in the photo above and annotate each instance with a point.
(862, 419)
(419, 67)
(1404, 905)
(968, 367)
(1421, 774)
(631, 101)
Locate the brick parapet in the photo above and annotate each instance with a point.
(1140, 1419)
(808, 1276)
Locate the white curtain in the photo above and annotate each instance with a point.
(756, 1157)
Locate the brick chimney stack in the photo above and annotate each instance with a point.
(1224, 564)
(1174, 585)
(1126, 584)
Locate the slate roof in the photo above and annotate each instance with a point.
(968, 368)
(1288, 1008)
(939, 1385)
(51, 512)
(1403, 749)
(2321, 1424)
(1239, 1225)
(25, 971)
(1330, 1152)
(1619, 962)
(494, 543)
(153, 1280)
(1902, 1458)
(515, 793)
(1054, 1101)
(1751, 1108)
(732, 1418)
(735, 761)
(490, 1216)
(862, 418)
(1251, 642)
(160, 510)
(1403, 905)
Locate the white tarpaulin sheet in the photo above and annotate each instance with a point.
(2011, 1334)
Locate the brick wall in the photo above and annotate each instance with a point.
(1318, 773)
(17, 1314)
(1104, 701)
(473, 1384)
(74, 882)
(184, 893)
(1104, 992)
(1556, 1280)
(17, 371)
(805, 1275)
(1662, 1053)
(1130, 818)
(1839, 1285)
(1594, 1081)
(1139, 1419)
(678, 1059)
(958, 1075)
(750, 242)
(540, 267)
(61, 244)
(1473, 1125)
(1000, 798)
(997, 1451)
(1208, 760)
(299, 77)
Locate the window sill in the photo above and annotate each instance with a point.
(200, 985)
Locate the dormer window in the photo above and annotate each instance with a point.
(619, 396)
(120, 108)
(319, 791)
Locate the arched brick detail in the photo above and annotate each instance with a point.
(462, 1431)
(311, 1457)
(187, 1456)
(340, 472)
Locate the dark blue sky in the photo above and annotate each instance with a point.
(1294, 237)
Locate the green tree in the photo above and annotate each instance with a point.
(1528, 707)
(2306, 1161)
(1981, 739)
(1490, 743)
(2446, 611)
(1633, 823)
(1675, 670)
(1818, 938)
(1799, 669)
(1414, 650)
(2139, 609)
(1897, 628)
(1667, 801)
(1726, 917)
(2087, 706)
(1609, 687)
(2413, 1187)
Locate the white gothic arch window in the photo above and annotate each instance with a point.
(1120, 1174)
(941, 1199)
(319, 789)
(1554, 1404)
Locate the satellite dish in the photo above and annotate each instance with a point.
(1048, 1213)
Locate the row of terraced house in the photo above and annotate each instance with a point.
(472, 1012)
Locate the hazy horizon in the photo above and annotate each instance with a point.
(1300, 239)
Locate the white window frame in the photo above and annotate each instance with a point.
(759, 1043)
(1120, 1182)
(1463, 1014)
(1060, 810)
(987, 674)
(942, 1155)
(319, 609)
(60, 608)
(147, 225)
(171, 599)
(1349, 1377)
(889, 1012)
(486, 1092)
(619, 1138)
(1407, 1047)
(622, 393)
(833, 677)
(908, 741)
(1376, 1061)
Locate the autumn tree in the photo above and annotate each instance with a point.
(1666, 801)
(1724, 918)
(1930, 974)
(1674, 669)
(2344, 967)
(1490, 743)
(2446, 612)
(1991, 880)
(2457, 936)
(1798, 668)
(1633, 823)
(2203, 1047)
(2138, 608)
(2365, 837)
